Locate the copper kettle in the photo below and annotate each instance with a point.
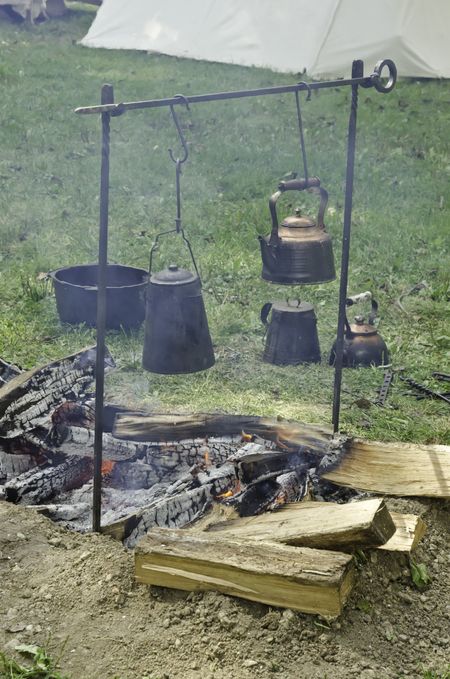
(298, 251)
(363, 345)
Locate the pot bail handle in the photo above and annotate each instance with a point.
(265, 311)
(188, 245)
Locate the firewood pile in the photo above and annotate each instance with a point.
(260, 508)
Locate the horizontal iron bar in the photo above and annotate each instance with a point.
(118, 109)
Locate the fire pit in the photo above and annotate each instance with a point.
(76, 295)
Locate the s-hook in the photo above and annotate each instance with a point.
(300, 126)
(179, 161)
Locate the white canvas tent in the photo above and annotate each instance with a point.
(322, 37)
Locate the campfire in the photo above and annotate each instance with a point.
(169, 471)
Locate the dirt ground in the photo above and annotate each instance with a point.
(62, 588)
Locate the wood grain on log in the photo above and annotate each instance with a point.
(403, 469)
(409, 530)
(308, 580)
(323, 525)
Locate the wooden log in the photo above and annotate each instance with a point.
(40, 484)
(27, 400)
(410, 529)
(307, 580)
(323, 525)
(286, 434)
(403, 469)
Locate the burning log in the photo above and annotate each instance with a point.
(295, 436)
(308, 580)
(323, 525)
(27, 400)
(40, 484)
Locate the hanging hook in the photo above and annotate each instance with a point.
(300, 125)
(306, 87)
(179, 130)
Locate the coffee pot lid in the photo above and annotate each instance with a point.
(292, 306)
(173, 276)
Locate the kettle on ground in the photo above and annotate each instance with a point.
(291, 334)
(363, 345)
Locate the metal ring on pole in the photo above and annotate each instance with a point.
(377, 72)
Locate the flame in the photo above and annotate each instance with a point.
(248, 438)
(107, 467)
(236, 488)
(207, 458)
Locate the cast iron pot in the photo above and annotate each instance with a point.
(76, 295)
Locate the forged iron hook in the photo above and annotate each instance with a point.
(307, 88)
(182, 160)
(300, 125)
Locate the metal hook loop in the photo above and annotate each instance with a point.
(307, 88)
(180, 132)
(375, 78)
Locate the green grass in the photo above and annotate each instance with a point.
(49, 181)
(41, 665)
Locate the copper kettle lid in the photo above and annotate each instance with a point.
(362, 328)
(298, 221)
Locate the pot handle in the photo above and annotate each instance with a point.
(312, 184)
(265, 311)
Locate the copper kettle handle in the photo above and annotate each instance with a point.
(355, 299)
(313, 184)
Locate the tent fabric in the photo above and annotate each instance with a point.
(322, 38)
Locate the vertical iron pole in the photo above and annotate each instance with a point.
(107, 97)
(357, 71)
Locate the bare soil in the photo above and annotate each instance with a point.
(59, 587)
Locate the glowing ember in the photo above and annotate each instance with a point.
(107, 467)
(236, 488)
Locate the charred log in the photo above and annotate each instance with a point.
(27, 400)
(287, 435)
(8, 371)
(40, 484)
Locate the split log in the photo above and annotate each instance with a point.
(303, 579)
(410, 529)
(403, 469)
(289, 435)
(38, 485)
(323, 525)
(27, 400)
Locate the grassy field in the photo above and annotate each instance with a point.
(239, 150)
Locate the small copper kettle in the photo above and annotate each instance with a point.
(363, 345)
(298, 251)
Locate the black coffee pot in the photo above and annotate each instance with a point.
(291, 334)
